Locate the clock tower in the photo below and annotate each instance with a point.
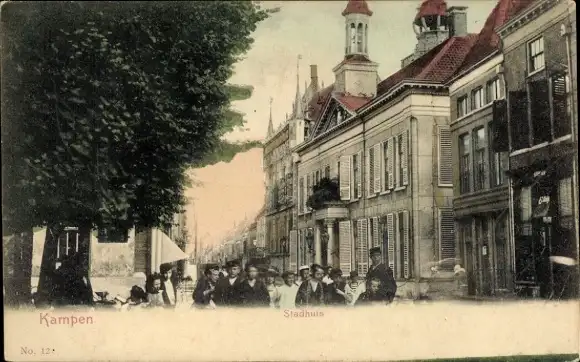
(356, 75)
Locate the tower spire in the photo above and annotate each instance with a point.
(298, 111)
(270, 124)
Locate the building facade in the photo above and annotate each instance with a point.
(387, 145)
(481, 192)
(543, 148)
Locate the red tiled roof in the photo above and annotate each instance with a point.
(436, 66)
(357, 7)
(431, 8)
(487, 39)
(315, 106)
(351, 102)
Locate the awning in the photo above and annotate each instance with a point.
(169, 251)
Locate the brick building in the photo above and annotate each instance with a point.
(543, 147)
(481, 194)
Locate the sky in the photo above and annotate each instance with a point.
(314, 30)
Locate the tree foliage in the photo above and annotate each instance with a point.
(106, 104)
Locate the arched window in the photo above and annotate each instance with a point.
(366, 39)
(352, 37)
(359, 38)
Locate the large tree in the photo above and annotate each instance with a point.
(105, 105)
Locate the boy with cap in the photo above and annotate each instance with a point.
(334, 292)
(378, 270)
(227, 291)
(303, 275)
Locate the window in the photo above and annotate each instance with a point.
(536, 54)
(494, 90)
(498, 163)
(461, 106)
(464, 179)
(359, 38)
(355, 174)
(317, 176)
(477, 99)
(402, 157)
(519, 126)
(306, 129)
(540, 111)
(525, 210)
(479, 158)
(327, 171)
(560, 90)
(386, 173)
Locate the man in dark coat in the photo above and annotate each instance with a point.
(311, 292)
(253, 292)
(378, 270)
(227, 291)
(334, 292)
(204, 292)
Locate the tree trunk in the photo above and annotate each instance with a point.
(85, 258)
(18, 268)
(45, 291)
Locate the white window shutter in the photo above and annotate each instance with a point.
(391, 163)
(376, 237)
(383, 167)
(445, 158)
(345, 246)
(405, 158)
(406, 247)
(345, 173)
(391, 240)
(369, 172)
(359, 183)
(446, 234)
(293, 250)
(377, 167)
(308, 192)
(362, 243)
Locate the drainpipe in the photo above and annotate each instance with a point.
(511, 220)
(566, 33)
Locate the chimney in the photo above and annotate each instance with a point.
(314, 76)
(457, 21)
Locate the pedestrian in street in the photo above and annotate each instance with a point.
(354, 288)
(227, 291)
(383, 273)
(334, 292)
(288, 291)
(203, 296)
(303, 274)
(272, 288)
(252, 290)
(311, 292)
(169, 292)
(327, 278)
(154, 292)
(373, 295)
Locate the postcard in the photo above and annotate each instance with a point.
(290, 180)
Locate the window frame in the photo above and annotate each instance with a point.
(462, 106)
(464, 163)
(495, 90)
(531, 56)
(479, 159)
(478, 94)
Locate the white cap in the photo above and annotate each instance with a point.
(304, 267)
